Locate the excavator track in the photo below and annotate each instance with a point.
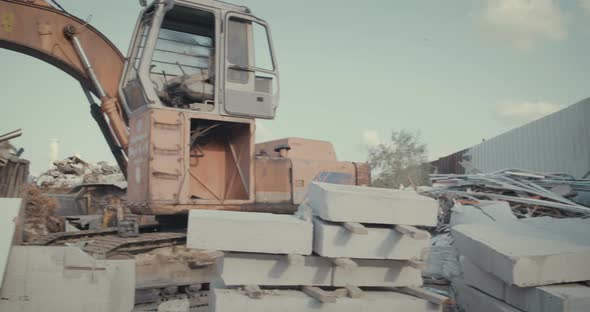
(104, 243)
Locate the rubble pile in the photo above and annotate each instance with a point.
(349, 248)
(39, 216)
(74, 171)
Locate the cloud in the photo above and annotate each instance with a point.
(523, 23)
(371, 138)
(513, 112)
(263, 133)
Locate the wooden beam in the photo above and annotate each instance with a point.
(345, 263)
(412, 232)
(319, 294)
(253, 291)
(340, 292)
(355, 292)
(295, 259)
(356, 228)
(418, 265)
(427, 295)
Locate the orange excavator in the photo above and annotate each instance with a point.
(178, 113)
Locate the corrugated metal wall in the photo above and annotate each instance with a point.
(559, 142)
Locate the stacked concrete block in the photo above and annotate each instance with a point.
(297, 301)
(249, 232)
(268, 263)
(522, 265)
(343, 203)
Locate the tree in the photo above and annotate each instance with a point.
(402, 161)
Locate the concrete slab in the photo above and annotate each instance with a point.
(249, 232)
(9, 210)
(381, 242)
(377, 273)
(473, 300)
(178, 305)
(229, 300)
(270, 270)
(552, 298)
(348, 203)
(529, 253)
(66, 279)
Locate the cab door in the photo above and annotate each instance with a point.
(251, 84)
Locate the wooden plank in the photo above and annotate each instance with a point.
(356, 228)
(418, 265)
(355, 292)
(426, 295)
(295, 259)
(253, 291)
(319, 294)
(344, 263)
(340, 292)
(412, 232)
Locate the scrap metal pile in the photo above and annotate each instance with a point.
(530, 194)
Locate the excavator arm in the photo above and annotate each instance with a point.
(36, 28)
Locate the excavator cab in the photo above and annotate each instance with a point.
(202, 56)
(197, 74)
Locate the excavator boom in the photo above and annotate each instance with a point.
(38, 29)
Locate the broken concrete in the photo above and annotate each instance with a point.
(10, 209)
(381, 242)
(43, 278)
(552, 298)
(377, 273)
(270, 270)
(473, 300)
(174, 266)
(347, 203)
(529, 253)
(226, 300)
(249, 232)
(178, 305)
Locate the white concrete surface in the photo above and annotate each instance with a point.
(230, 300)
(531, 252)
(473, 300)
(377, 273)
(269, 270)
(552, 298)
(66, 279)
(349, 203)
(249, 232)
(334, 241)
(9, 210)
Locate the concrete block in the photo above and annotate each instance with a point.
(9, 211)
(348, 203)
(381, 242)
(377, 273)
(229, 300)
(269, 270)
(66, 279)
(528, 253)
(249, 232)
(473, 300)
(552, 298)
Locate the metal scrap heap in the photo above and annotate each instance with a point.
(530, 194)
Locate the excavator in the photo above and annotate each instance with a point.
(178, 113)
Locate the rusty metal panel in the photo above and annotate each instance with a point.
(139, 158)
(300, 148)
(273, 180)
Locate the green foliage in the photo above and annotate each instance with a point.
(401, 161)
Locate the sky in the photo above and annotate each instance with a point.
(352, 72)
